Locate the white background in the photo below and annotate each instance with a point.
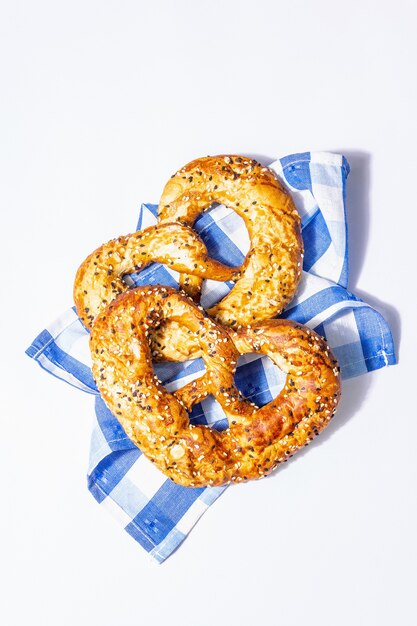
(100, 103)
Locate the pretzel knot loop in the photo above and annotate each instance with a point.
(268, 277)
(257, 439)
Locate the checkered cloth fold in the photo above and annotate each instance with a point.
(157, 513)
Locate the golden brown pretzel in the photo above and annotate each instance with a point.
(268, 278)
(272, 268)
(99, 278)
(257, 440)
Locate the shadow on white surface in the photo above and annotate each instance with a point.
(357, 209)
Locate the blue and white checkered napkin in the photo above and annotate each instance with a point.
(152, 509)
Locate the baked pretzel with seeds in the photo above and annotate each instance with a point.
(271, 270)
(265, 282)
(257, 439)
(99, 279)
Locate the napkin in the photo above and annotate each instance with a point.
(157, 513)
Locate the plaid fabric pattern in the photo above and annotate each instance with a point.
(157, 513)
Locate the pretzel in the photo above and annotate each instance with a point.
(99, 279)
(257, 439)
(266, 281)
(272, 268)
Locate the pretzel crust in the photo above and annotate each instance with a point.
(257, 439)
(272, 268)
